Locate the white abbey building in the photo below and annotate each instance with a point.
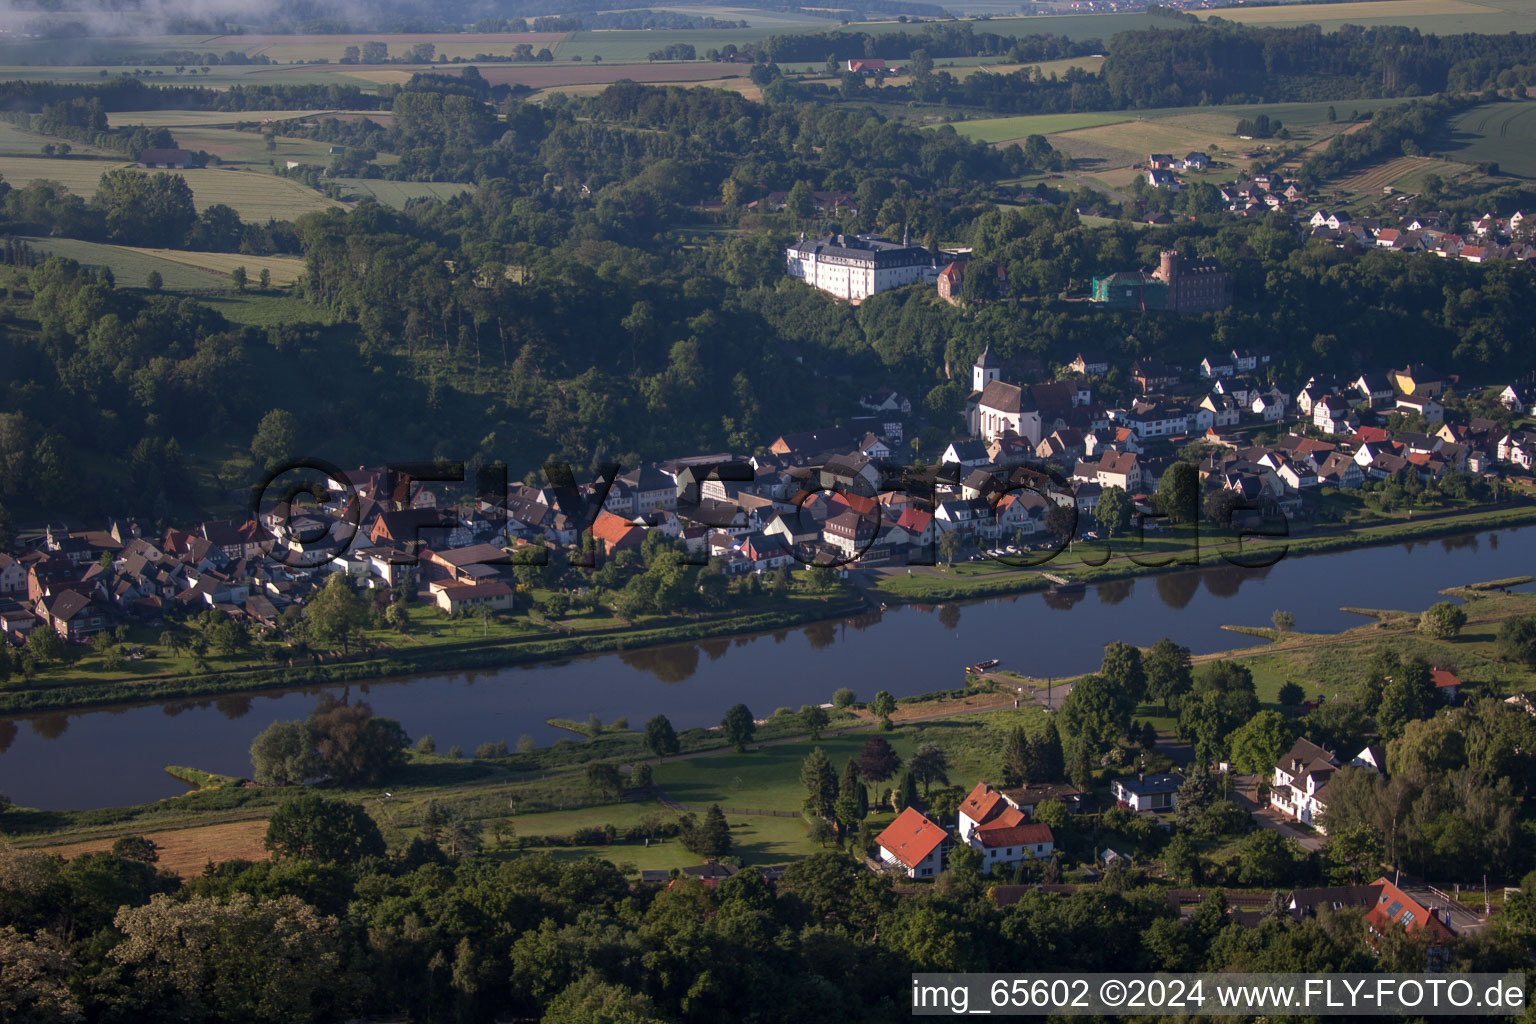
(857, 267)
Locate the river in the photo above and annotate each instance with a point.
(117, 755)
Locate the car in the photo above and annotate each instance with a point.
(1090, 535)
(1012, 550)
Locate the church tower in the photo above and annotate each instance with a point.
(988, 368)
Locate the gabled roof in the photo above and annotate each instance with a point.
(1008, 398)
(1014, 835)
(911, 837)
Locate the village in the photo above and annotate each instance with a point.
(839, 497)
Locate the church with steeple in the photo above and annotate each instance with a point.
(996, 408)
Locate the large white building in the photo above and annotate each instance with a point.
(857, 267)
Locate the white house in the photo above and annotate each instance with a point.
(1148, 792)
(1332, 415)
(1422, 405)
(988, 821)
(913, 845)
(1299, 786)
(857, 267)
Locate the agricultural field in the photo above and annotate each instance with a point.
(1504, 133)
(304, 48)
(397, 193)
(80, 175)
(1405, 172)
(544, 76)
(187, 851)
(257, 197)
(1442, 17)
(181, 271)
(15, 142)
(175, 119)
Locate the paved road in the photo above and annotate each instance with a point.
(1265, 817)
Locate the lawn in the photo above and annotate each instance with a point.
(174, 119)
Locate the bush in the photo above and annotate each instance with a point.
(1443, 621)
(842, 698)
(1291, 695)
(491, 750)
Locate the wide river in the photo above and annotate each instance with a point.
(117, 755)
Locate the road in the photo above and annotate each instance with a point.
(1266, 817)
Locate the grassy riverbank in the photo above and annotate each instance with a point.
(68, 689)
(970, 580)
(541, 799)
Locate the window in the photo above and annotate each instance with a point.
(1407, 919)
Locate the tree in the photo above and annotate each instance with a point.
(1516, 641)
(1047, 760)
(336, 613)
(238, 278)
(375, 52)
(353, 744)
(660, 737)
(1181, 861)
(1096, 713)
(136, 848)
(604, 778)
(464, 835)
(1122, 667)
(1178, 493)
(265, 279)
(883, 707)
(314, 827)
(712, 838)
(1443, 621)
(1016, 760)
(1060, 521)
(905, 794)
(949, 545)
(878, 760)
(820, 784)
(276, 440)
(1283, 620)
(1113, 512)
(852, 800)
(1408, 695)
(801, 203)
(842, 698)
(739, 726)
(426, 745)
(1080, 768)
(813, 719)
(153, 281)
(1222, 699)
(1266, 858)
(490, 750)
(46, 646)
(929, 764)
(283, 754)
(38, 969)
(1291, 694)
(1259, 743)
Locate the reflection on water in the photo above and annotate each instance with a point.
(50, 726)
(1062, 601)
(1115, 591)
(7, 735)
(1460, 542)
(673, 664)
(1178, 589)
(821, 635)
(949, 615)
(233, 706)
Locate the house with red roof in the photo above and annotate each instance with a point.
(1394, 908)
(616, 534)
(1447, 685)
(1004, 834)
(913, 845)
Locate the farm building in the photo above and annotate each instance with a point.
(165, 158)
